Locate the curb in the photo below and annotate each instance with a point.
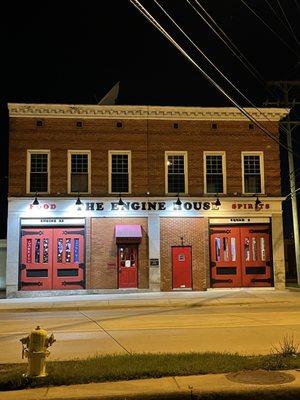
(204, 387)
(137, 303)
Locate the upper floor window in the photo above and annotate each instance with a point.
(214, 172)
(79, 177)
(253, 177)
(120, 171)
(176, 172)
(38, 171)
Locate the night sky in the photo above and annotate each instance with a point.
(61, 52)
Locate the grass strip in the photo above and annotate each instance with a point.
(117, 367)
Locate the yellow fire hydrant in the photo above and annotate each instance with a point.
(34, 347)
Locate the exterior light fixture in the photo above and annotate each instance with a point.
(257, 202)
(35, 201)
(120, 202)
(178, 201)
(217, 202)
(78, 201)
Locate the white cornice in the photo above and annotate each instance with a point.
(143, 112)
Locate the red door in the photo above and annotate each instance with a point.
(256, 261)
(35, 271)
(68, 258)
(182, 267)
(127, 265)
(240, 256)
(52, 258)
(225, 257)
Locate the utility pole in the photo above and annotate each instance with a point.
(284, 100)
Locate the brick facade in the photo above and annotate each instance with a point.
(147, 132)
(194, 232)
(103, 271)
(148, 141)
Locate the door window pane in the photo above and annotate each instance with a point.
(247, 249)
(45, 250)
(226, 270)
(67, 272)
(262, 249)
(29, 250)
(68, 250)
(37, 250)
(176, 178)
(38, 172)
(59, 250)
(254, 249)
(37, 273)
(218, 248)
(214, 174)
(127, 256)
(79, 173)
(233, 249)
(76, 250)
(226, 249)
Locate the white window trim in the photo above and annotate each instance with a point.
(110, 154)
(185, 158)
(28, 168)
(70, 152)
(262, 170)
(215, 153)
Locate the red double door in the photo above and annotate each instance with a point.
(52, 258)
(240, 256)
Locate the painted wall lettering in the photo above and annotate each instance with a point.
(249, 206)
(44, 206)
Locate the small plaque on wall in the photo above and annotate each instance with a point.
(111, 265)
(154, 262)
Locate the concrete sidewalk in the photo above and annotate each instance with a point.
(179, 387)
(126, 299)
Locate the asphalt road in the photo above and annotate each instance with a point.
(247, 329)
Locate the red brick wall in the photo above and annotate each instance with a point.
(195, 233)
(104, 252)
(61, 134)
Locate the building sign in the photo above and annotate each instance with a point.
(52, 221)
(150, 206)
(44, 206)
(154, 262)
(97, 207)
(242, 220)
(250, 206)
(156, 206)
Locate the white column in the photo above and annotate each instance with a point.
(12, 260)
(154, 251)
(278, 252)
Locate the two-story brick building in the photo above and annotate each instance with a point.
(136, 197)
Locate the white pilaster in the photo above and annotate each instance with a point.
(154, 251)
(278, 252)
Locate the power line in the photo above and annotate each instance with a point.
(297, 5)
(211, 63)
(271, 29)
(261, 80)
(232, 47)
(277, 16)
(153, 21)
(288, 23)
(216, 24)
(207, 58)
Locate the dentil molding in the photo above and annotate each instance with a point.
(143, 112)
